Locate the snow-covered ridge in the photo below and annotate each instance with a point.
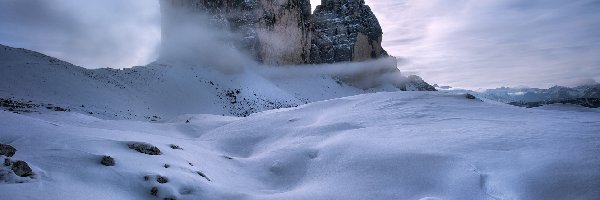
(154, 91)
(584, 95)
(555, 93)
(164, 90)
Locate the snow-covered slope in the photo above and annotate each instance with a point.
(157, 91)
(398, 145)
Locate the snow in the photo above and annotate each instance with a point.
(396, 145)
(326, 141)
(159, 89)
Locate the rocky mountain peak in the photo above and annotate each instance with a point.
(283, 32)
(344, 31)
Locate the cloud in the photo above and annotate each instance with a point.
(196, 39)
(199, 40)
(108, 33)
(473, 43)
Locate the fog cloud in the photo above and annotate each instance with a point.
(198, 40)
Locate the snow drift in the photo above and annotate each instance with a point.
(399, 145)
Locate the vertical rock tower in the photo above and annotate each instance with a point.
(273, 32)
(345, 30)
(283, 32)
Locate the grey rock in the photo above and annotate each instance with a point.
(7, 150)
(345, 31)
(22, 169)
(154, 191)
(107, 161)
(162, 179)
(470, 96)
(174, 146)
(203, 175)
(284, 32)
(145, 148)
(272, 32)
(7, 162)
(415, 83)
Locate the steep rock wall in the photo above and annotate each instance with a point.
(344, 31)
(273, 32)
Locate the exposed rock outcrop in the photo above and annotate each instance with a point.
(272, 32)
(144, 148)
(107, 161)
(22, 169)
(283, 32)
(344, 31)
(414, 83)
(7, 150)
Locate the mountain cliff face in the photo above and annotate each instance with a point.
(272, 32)
(345, 30)
(283, 32)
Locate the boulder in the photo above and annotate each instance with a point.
(145, 148)
(162, 179)
(7, 150)
(154, 191)
(107, 161)
(22, 169)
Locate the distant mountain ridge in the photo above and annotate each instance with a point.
(585, 95)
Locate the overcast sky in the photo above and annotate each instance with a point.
(463, 43)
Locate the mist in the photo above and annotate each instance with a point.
(199, 40)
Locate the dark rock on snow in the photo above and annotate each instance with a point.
(154, 191)
(22, 169)
(7, 150)
(470, 96)
(162, 179)
(145, 148)
(174, 146)
(203, 175)
(107, 161)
